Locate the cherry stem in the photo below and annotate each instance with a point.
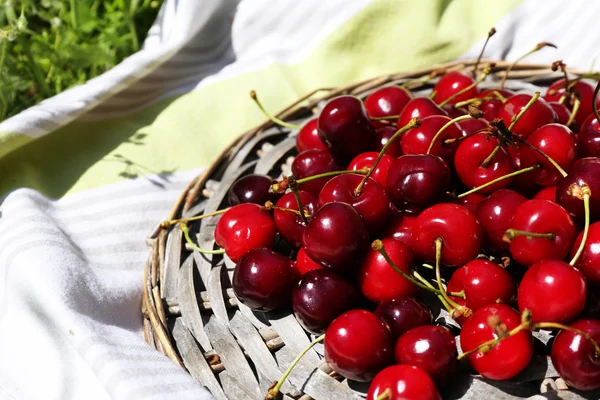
(576, 105)
(586, 193)
(499, 96)
(274, 391)
(491, 33)
(386, 118)
(515, 119)
(438, 276)
(270, 206)
(443, 128)
(293, 184)
(511, 234)
(454, 140)
(540, 152)
(273, 118)
(423, 79)
(387, 394)
(168, 224)
(186, 232)
(432, 94)
(490, 183)
(538, 47)
(333, 173)
(551, 325)
(486, 163)
(411, 124)
(486, 71)
(432, 289)
(460, 294)
(594, 102)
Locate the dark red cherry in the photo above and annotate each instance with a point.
(491, 106)
(263, 280)
(400, 227)
(358, 345)
(419, 107)
(541, 216)
(472, 126)
(291, 225)
(588, 138)
(452, 83)
(378, 281)
(403, 313)
(589, 261)
(366, 160)
(563, 114)
(575, 358)
(417, 140)
(384, 134)
(495, 215)
(471, 201)
(387, 101)
(372, 203)
(454, 112)
(557, 142)
(553, 291)
(336, 237)
(538, 115)
(431, 348)
(592, 303)
(314, 162)
(308, 137)
(252, 188)
(583, 171)
(403, 382)
(459, 229)
(547, 193)
(244, 227)
(304, 263)
(345, 127)
(469, 158)
(415, 182)
(321, 297)
(510, 356)
(585, 91)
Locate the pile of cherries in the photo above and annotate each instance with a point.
(490, 200)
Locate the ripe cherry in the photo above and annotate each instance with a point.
(400, 227)
(585, 91)
(563, 114)
(358, 345)
(417, 140)
(495, 215)
(553, 291)
(244, 227)
(547, 193)
(535, 117)
(575, 358)
(387, 101)
(366, 160)
(314, 162)
(263, 280)
(308, 137)
(471, 201)
(456, 226)
(403, 313)
(321, 297)
(403, 382)
(510, 356)
(419, 107)
(336, 237)
(384, 134)
(450, 84)
(589, 261)
(291, 225)
(252, 188)
(431, 348)
(491, 107)
(304, 263)
(588, 138)
(583, 171)
(472, 126)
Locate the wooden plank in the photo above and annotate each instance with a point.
(293, 335)
(171, 265)
(215, 295)
(188, 303)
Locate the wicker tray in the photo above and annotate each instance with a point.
(190, 311)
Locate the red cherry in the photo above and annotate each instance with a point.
(308, 137)
(251, 188)
(589, 261)
(452, 83)
(358, 345)
(304, 263)
(366, 160)
(387, 101)
(431, 348)
(575, 358)
(547, 193)
(403, 313)
(336, 237)
(541, 216)
(400, 228)
(403, 382)
(244, 227)
(417, 140)
(491, 107)
(563, 114)
(583, 171)
(372, 203)
(588, 138)
(458, 228)
(290, 225)
(263, 280)
(538, 115)
(585, 91)
(472, 126)
(471, 201)
(495, 215)
(553, 291)
(314, 162)
(419, 107)
(510, 356)
(378, 281)
(384, 134)
(345, 127)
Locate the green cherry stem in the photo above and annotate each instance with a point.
(270, 206)
(540, 152)
(186, 232)
(443, 128)
(333, 173)
(537, 47)
(438, 276)
(168, 224)
(447, 306)
(486, 71)
(586, 193)
(387, 118)
(490, 183)
(576, 105)
(511, 234)
(386, 395)
(293, 185)
(486, 163)
(273, 118)
(516, 118)
(491, 33)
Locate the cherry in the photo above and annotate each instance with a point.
(541, 217)
(415, 182)
(585, 91)
(563, 114)
(553, 291)
(589, 261)
(401, 382)
(483, 283)
(588, 138)
(417, 140)
(495, 215)
(456, 226)
(263, 280)
(491, 107)
(592, 303)
(473, 166)
(419, 107)
(557, 142)
(431, 348)
(321, 297)
(387, 101)
(290, 225)
(583, 171)
(308, 137)
(450, 84)
(403, 313)
(377, 279)
(472, 126)
(547, 193)
(510, 356)
(575, 358)
(304, 263)
(252, 188)
(366, 160)
(384, 134)
(471, 201)
(345, 127)
(314, 162)
(538, 115)
(371, 204)
(358, 345)
(244, 227)
(400, 228)
(336, 237)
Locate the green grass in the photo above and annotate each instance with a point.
(48, 46)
